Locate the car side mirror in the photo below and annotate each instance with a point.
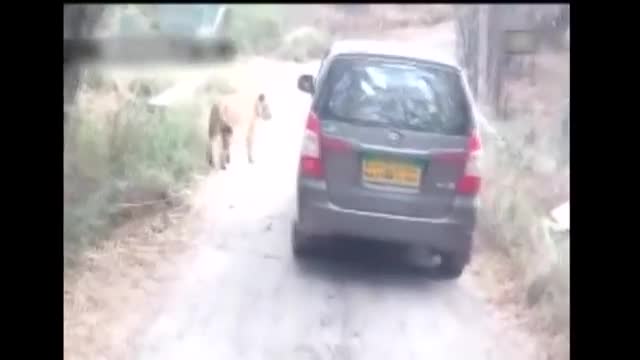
(305, 84)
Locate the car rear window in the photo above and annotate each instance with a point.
(395, 93)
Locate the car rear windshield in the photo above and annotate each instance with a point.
(395, 93)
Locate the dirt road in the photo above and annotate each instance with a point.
(241, 295)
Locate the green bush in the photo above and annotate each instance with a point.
(260, 30)
(257, 29)
(304, 44)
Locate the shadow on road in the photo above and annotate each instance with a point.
(355, 260)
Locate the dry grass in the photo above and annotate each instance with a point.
(340, 21)
(304, 44)
(106, 297)
(124, 158)
(124, 162)
(542, 95)
(306, 32)
(410, 15)
(523, 182)
(109, 292)
(498, 281)
(301, 33)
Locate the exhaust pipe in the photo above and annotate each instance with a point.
(424, 257)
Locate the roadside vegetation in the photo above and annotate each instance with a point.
(526, 175)
(124, 158)
(267, 30)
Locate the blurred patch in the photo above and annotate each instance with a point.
(520, 42)
(145, 50)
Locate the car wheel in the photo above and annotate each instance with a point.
(299, 242)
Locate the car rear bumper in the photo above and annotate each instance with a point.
(318, 217)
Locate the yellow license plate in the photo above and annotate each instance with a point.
(391, 173)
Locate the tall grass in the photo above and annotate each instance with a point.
(522, 185)
(115, 162)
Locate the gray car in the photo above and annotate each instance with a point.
(390, 153)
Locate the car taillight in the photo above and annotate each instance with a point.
(469, 183)
(310, 162)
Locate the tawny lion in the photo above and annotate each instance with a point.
(229, 116)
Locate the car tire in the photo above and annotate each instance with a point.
(299, 243)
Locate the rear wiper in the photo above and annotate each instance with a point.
(403, 106)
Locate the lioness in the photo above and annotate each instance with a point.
(228, 116)
(220, 132)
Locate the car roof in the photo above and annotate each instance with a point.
(392, 48)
